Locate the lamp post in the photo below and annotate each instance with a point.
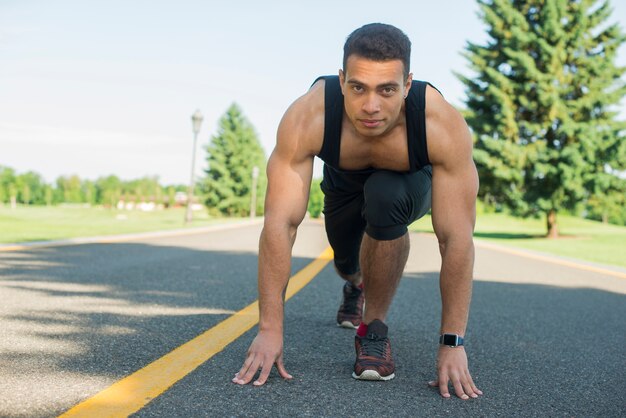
(255, 177)
(196, 122)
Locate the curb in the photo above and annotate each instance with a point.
(564, 261)
(609, 270)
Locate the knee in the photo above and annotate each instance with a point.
(386, 206)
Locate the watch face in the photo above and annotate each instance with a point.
(449, 339)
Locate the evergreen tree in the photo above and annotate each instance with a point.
(609, 205)
(232, 154)
(542, 103)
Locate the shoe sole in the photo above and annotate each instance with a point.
(372, 375)
(347, 324)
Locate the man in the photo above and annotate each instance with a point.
(390, 147)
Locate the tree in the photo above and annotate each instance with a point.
(89, 192)
(232, 154)
(7, 184)
(142, 189)
(171, 196)
(48, 195)
(13, 195)
(541, 106)
(30, 188)
(609, 205)
(69, 189)
(108, 191)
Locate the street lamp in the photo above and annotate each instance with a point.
(255, 177)
(196, 122)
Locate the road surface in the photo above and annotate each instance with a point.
(545, 337)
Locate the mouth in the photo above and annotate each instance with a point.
(371, 123)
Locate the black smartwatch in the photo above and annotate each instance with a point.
(451, 340)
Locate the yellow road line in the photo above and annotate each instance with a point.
(133, 392)
(549, 259)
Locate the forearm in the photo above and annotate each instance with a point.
(456, 284)
(274, 270)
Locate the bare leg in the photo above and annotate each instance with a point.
(382, 264)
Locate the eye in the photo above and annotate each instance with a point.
(388, 91)
(357, 88)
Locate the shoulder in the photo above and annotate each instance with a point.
(301, 128)
(449, 138)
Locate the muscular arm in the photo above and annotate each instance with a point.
(455, 186)
(289, 173)
(289, 181)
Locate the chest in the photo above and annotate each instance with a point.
(390, 152)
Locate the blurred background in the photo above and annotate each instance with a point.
(96, 99)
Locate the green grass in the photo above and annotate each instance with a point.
(36, 223)
(580, 238)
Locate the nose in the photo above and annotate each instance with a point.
(371, 104)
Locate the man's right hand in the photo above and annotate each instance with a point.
(265, 351)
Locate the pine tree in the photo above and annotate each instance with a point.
(232, 155)
(541, 106)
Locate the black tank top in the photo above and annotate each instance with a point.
(415, 104)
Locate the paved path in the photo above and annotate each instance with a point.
(544, 339)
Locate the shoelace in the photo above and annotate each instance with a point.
(373, 346)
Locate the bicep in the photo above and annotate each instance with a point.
(455, 182)
(289, 172)
(289, 183)
(290, 167)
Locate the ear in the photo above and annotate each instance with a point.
(342, 80)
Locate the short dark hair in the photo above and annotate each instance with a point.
(379, 42)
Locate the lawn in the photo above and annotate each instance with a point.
(580, 238)
(37, 223)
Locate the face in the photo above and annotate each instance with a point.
(374, 93)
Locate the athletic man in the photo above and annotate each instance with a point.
(390, 145)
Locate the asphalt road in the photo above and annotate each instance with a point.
(544, 338)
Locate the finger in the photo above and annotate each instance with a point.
(267, 368)
(458, 388)
(433, 383)
(247, 377)
(246, 365)
(467, 387)
(281, 369)
(443, 385)
(472, 385)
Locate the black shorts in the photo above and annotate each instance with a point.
(380, 202)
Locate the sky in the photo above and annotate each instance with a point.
(108, 87)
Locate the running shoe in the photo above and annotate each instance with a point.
(373, 354)
(351, 309)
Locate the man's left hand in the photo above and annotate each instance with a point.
(452, 367)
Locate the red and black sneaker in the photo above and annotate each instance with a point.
(373, 354)
(351, 309)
